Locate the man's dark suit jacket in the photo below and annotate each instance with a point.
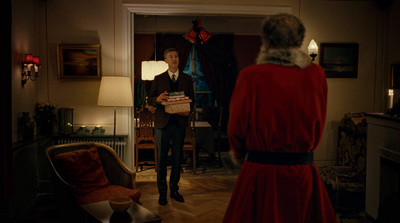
(159, 85)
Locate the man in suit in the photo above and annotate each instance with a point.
(170, 128)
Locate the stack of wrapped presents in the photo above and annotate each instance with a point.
(177, 102)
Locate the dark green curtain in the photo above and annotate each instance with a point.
(220, 71)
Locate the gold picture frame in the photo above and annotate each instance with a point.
(79, 62)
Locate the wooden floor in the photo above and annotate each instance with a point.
(206, 200)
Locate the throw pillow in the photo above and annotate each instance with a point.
(83, 169)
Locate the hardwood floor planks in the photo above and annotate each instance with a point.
(206, 199)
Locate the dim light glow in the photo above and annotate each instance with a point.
(152, 68)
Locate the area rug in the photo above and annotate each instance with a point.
(206, 167)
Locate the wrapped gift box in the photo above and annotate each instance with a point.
(173, 107)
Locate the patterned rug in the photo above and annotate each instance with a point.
(206, 167)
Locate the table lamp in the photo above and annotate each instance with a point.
(115, 91)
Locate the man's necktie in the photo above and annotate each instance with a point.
(173, 78)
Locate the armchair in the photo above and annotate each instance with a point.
(89, 172)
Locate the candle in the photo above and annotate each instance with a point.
(29, 67)
(98, 126)
(391, 94)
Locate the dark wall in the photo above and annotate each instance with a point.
(144, 48)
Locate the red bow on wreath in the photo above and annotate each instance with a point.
(197, 34)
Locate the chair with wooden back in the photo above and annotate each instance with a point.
(145, 138)
(190, 140)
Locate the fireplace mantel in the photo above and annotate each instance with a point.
(383, 143)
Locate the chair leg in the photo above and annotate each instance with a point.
(219, 153)
(155, 159)
(221, 109)
(136, 158)
(194, 160)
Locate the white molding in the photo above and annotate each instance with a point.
(167, 9)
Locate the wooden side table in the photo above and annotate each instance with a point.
(102, 212)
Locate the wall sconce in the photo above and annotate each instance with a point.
(30, 61)
(313, 49)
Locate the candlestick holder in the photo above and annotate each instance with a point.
(83, 130)
(98, 130)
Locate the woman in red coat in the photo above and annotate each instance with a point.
(277, 117)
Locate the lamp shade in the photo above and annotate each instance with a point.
(312, 47)
(115, 91)
(36, 60)
(152, 68)
(28, 58)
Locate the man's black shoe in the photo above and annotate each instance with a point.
(163, 199)
(175, 195)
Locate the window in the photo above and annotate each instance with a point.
(203, 94)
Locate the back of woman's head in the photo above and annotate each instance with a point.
(283, 31)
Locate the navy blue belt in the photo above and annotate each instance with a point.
(279, 158)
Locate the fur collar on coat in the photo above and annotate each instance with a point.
(285, 57)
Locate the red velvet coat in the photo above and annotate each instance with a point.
(279, 109)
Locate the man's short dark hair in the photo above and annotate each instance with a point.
(169, 50)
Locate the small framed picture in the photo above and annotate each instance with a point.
(339, 60)
(79, 62)
(395, 76)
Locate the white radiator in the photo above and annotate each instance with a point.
(120, 143)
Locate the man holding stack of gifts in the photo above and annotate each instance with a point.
(172, 94)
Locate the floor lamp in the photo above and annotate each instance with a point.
(115, 91)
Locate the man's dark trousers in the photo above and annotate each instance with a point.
(175, 134)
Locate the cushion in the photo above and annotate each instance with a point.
(83, 169)
(108, 192)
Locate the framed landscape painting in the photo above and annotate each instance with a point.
(339, 59)
(79, 62)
